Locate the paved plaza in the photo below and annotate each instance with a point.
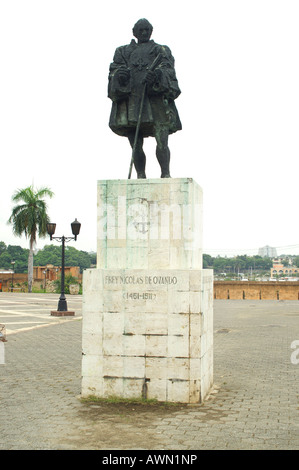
(254, 403)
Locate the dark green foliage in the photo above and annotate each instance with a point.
(237, 263)
(29, 217)
(13, 253)
(50, 254)
(69, 279)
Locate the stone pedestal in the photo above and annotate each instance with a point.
(148, 307)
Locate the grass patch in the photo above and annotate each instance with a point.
(114, 400)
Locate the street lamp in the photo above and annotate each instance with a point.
(62, 304)
(45, 281)
(13, 270)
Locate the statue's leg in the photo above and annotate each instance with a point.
(139, 157)
(162, 151)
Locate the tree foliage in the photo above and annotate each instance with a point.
(29, 217)
(237, 263)
(50, 254)
(13, 253)
(68, 280)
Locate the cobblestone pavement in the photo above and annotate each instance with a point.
(254, 403)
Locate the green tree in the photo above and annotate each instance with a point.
(20, 256)
(2, 248)
(237, 263)
(50, 254)
(69, 279)
(93, 258)
(207, 261)
(220, 264)
(5, 260)
(14, 253)
(74, 257)
(30, 218)
(286, 262)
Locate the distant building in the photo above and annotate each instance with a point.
(52, 273)
(267, 252)
(42, 275)
(279, 269)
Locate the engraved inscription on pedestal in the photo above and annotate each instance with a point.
(153, 335)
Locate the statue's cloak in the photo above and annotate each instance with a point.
(159, 110)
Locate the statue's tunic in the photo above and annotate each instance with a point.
(159, 110)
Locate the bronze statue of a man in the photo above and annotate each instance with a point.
(143, 87)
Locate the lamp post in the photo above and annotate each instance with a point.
(62, 304)
(13, 270)
(45, 281)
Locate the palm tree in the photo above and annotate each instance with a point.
(30, 218)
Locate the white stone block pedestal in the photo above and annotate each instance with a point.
(148, 306)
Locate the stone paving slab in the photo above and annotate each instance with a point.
(254, 403)
(22, 311)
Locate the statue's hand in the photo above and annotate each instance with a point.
(150, 77)
(123, 75)
(153, 77)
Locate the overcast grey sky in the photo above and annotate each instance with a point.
(238, 70)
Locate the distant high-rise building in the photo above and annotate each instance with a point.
(267, 251)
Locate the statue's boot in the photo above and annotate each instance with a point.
(164, 164)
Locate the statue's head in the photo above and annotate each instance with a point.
(142, 30)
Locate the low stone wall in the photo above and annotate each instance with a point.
(256, 290)
(19, 281)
